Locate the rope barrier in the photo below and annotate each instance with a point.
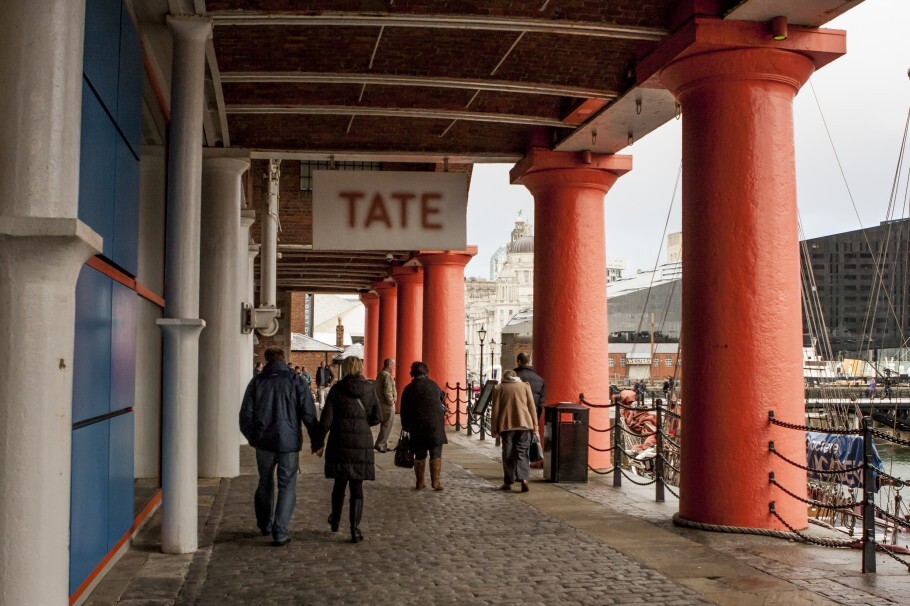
(599, 472)
(601, 449)
(668, 464)
(626, 476)
(671, 442)
(812, 469)
(595, 429)
(813, 502)
(637, 435)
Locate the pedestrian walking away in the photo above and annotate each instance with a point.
(513, 420)
(423, 417)
(275, 404)
(526, 373)
(350, 410)
(385, 391)
(324, 378)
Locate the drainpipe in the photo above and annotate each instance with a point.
(265, 317)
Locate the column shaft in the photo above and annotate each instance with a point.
(570, 279)
(370, 301)
(741, 294)
(410, 322)
(443, 316)
(221, 293)
(388, 318)
(42, 248)
(181, 325)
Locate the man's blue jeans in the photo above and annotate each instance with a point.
(275, 514)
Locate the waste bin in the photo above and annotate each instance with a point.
(565, 444)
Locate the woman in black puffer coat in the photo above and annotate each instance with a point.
(350, 410)
(423, 417)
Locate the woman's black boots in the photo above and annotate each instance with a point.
(356, 514)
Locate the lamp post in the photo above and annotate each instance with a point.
(492, 359)
(482, 333)
(469, 393)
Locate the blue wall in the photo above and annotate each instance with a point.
(104, 368)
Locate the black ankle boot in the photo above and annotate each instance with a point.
(335, 517)
(356, 514)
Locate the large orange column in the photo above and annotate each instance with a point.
(410, 322)
(370, 301)
(742, 335)
(388, 319)
(443, 315)
(570, 277)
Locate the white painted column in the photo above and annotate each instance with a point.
(42, 248)
(220, 299)
(181, 325)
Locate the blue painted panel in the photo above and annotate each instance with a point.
(92, 353)
(96, 169)
(132, 69)
(125, 248)
(102, 48)
(123, 347)
(89, 501)
(120, 494)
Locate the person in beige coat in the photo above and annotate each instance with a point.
(513, 420)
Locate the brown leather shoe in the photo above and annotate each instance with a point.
(420, 468)
(435, 471)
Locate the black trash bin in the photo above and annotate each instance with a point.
(565, 444)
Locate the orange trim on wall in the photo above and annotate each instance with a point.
(143, 291)
(99, 264)
(139, 521)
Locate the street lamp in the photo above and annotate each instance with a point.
(482, 333)
(492, 360)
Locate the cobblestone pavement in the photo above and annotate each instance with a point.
(473, 544)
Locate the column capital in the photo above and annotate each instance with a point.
(247, 218)
(708, 35)
(447, 257)
(543, 169)
(233, 165)
(370, 296)
(187, 27)
(408, 274)
(253, 250)
(385, 288)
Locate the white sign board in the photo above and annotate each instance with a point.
(385, 210)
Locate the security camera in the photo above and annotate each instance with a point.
(389, 257)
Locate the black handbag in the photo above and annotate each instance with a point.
(403, 455)
(535, 451)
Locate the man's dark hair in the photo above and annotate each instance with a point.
(387, 362)
(419, 368)
(524, 359)
(274, 353)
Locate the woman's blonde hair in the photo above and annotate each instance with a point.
(352, 365)
(509, 374)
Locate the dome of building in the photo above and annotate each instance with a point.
(524, 244)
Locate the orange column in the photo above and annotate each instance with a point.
(443, 316)
(370, 301)
(570, 278)
(410, 322)
(388, 318)
(741, 285)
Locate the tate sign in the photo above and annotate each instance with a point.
(365, 210)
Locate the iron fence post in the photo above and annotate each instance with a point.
(617, 449)
(659, 465)
(469, 414)
(457, 406)
(868, 498)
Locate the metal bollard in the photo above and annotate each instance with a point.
(868, 498)
(659, 461)
(470, 415)
(457, 406)
(617, 447)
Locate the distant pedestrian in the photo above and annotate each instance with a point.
(385, 391)
(667, 387)
(350, 410)
(297, 370)
(872, 389)
(423, 417)
(307, 378)
(274, 405)
(527, 374)
(641, 390)
(324, 378)
(513, 420)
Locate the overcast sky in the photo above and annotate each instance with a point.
(864, 96)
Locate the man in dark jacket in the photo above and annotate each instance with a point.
(274, 405)
(324, 378)
(526, 373)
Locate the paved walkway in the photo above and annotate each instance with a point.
(473, 544)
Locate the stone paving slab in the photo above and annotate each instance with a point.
(473, 544)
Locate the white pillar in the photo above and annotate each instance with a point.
(42, 248)
(181, 325)
(220, 297)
